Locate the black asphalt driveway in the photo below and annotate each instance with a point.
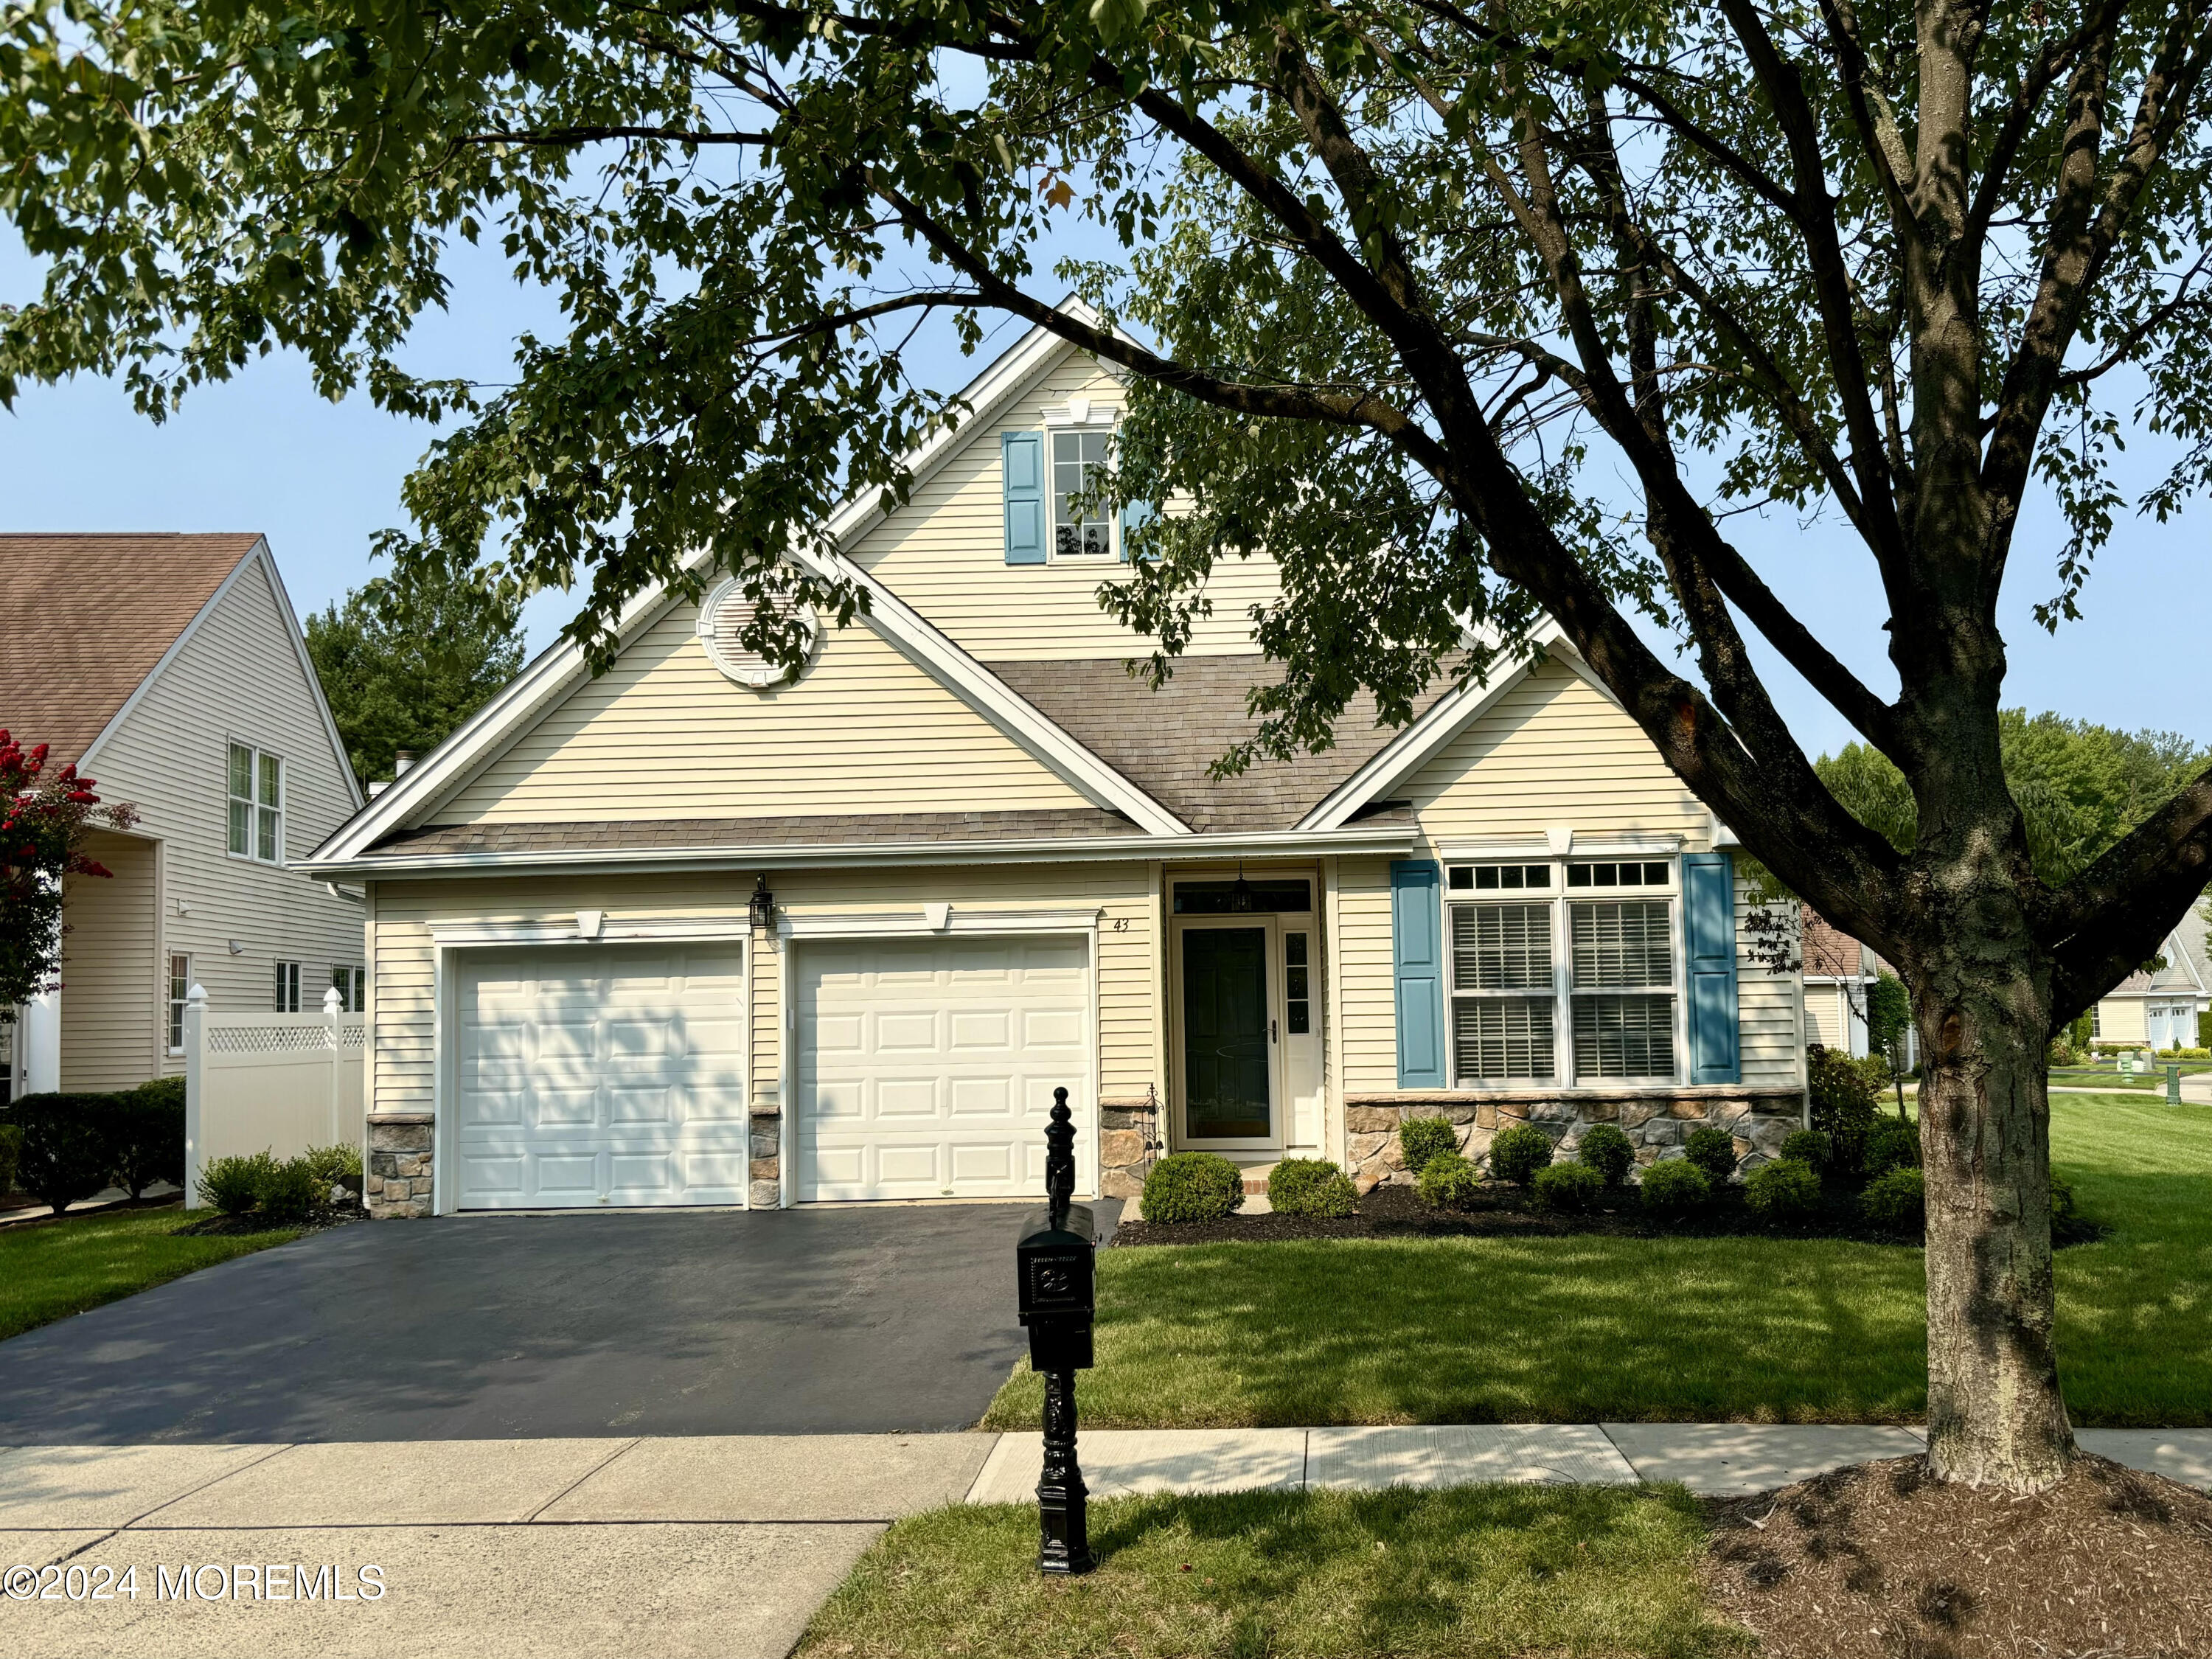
(840, 1320)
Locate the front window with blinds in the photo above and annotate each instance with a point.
(257, 805)
(1542, 952)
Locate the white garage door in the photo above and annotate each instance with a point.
(602, 1075)
(926, 1067)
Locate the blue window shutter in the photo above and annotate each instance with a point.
(1416, 947)
(1021, 464)
(1135, 516)
(1709, 909)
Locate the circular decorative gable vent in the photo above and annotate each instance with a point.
(723, 615)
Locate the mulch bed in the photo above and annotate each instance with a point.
(1504, 1211)
(1881, 1562)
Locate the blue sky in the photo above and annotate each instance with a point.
(264, 452)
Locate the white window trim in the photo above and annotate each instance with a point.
(1082, 415)
(173, 1006)
(1564, 995)
(256, 755)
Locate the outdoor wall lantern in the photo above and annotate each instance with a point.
(1056, 1268)
(763, 906)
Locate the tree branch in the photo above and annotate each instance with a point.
(2106, 922)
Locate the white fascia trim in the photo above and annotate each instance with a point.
(1634, 844)
(1096, 849)
(735, 927)
(299, 638)
(916, 924)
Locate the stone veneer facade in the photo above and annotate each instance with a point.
(1129, 1141)
(398, 1183)
(1657, 1121)
(765, 1192)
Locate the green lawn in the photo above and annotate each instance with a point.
(1590, 1327)
(59, 1268)
(1471, 1572)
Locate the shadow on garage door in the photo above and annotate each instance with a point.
(868, 1319)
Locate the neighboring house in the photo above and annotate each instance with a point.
(685, 934)
(1837, 971)
(2159, 1008)
(171, 669)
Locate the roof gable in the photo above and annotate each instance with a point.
(85, 619)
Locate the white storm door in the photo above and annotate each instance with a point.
(590, 1075)
(925, 1067)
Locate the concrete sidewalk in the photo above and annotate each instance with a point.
(707, 1545)
(1711, 1459)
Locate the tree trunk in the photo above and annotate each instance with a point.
(1995, 1414)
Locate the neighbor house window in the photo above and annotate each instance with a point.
(257, 805)
(352, 986)
(287, 988)
(180, 988)
(1078, 458)
(1539, 951)
(1297, 985)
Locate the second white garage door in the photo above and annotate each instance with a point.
(925, 1067)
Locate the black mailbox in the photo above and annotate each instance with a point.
(1057, 1261)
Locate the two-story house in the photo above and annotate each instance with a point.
(687, 933)
(171, 669)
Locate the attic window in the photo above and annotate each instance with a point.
(723, 616)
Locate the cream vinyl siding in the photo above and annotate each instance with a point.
(663, 734)
(111, 1036)
(2120, 1019)
(1369, 974)
(407, 912)
(237, 677)
(1768, 1046)
(1554, 752)
(945, 552)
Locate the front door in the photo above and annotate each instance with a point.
(1228, 1047)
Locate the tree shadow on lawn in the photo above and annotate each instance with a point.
(1488, 1330)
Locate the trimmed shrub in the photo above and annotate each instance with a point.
(1898, 1200)
(1569, 1185)
(1448, 1182)
(11, 1154)
(1310, 1187)
(1843, 1092)
(233, 1186)
(334, 1165)
(1676, 1187)
(291, 1193)
(1518, 1152)
(1808, 1147)
(149, 1135)
(1713, 1150)
(1892, 1143)
(1420, 1139)
(1192, 1186)
(1782, 1191)
(1606, 1149)
(69, 1146)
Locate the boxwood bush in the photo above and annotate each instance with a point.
(1713, 1150)
(11, 1153)
(1192, 1186)
(1676, 1187)
(1420, 1139)
(1449, 1181)
(291, 1193)
(1897, 1200)
(1518, 1152)
(1569, 1185)
(1808, 1147)
(148, 1127)
(1843, 1091)
(69, 1146)
(1310, 1187)
(231, 1185)
(1607, 1150)
(1892, 1143)
(1782, 1191)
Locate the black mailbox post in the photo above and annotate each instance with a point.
(1056, 1262)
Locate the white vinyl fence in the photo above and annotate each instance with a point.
(273, 1083)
